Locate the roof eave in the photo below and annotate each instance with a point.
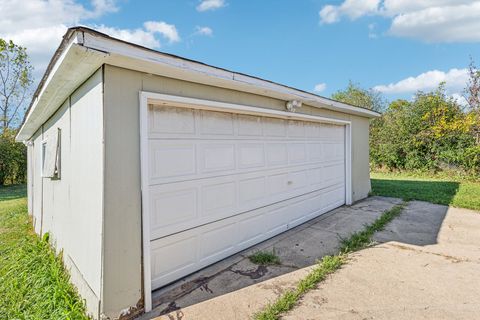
(69, 67)
(83, 51)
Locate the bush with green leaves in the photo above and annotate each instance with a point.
(431, 132)
(13, 159)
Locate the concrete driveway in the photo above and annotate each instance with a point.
(426, 266)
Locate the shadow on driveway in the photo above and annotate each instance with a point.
(419, 225)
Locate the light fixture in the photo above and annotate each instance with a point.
(293, 105)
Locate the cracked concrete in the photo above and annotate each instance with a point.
(426, 266)
(235, 288)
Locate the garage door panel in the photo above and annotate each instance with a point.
(312, 130)
(212, 204)
(252, 229)
(216, 157)
(251, 155)
(216, 242)
(173, 257)
(179, 160)
(216, 123)
(171, 208)
(222, 197)
(334, 198)
(333, 174)
(249, 125)
(274, 127)
(174, 123)
(237, 233)
(315, 177)
(253, 189)
(297, 153)
(220, 182)
(296, 129)
(298, 179)
(315, 151)
(171, 121)
(277, 154)
(171, 159)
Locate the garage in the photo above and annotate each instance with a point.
(165, 165)
(233, 173)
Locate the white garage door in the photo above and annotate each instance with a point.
(220, 182)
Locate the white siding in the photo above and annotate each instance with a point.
(71, 208)
(87, 179)
(37, 181)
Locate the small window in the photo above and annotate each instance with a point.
(51, 156)
(58, 155)
(44, 156)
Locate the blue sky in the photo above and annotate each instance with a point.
(395, 46)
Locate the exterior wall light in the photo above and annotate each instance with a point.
(293, 105)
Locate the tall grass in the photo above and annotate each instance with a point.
(33, 281)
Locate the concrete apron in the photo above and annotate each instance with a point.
(426, 267)
(235, 288)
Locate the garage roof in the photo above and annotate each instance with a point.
(83, 50)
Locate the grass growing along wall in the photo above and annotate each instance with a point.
(326, 266)
(33, 281)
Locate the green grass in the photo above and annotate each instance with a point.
(264, 258)
(15, 191)
(289, 299)
(436, 189)
(33, 281)
(361, 239)
(326, 266)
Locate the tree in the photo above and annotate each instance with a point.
(431, 132)
(13, 159)
(357, 96)
(15, 82)
(472, 92)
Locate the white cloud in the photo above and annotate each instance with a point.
(320, 87)
(40, 43)
(427, 20)
(146, 36)
(31, 14)
(203, 31)
(169, 31)
(351, 8)
(456, 23)
(206, 5)
(456, 80)
(394, 7)
(329, 14)
(460, 99)
(104, 6)
(39, 26)
(138, 36)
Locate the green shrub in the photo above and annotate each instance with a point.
(430, 133)
(13, 159)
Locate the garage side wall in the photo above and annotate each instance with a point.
(123, 240)
(70, 208)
